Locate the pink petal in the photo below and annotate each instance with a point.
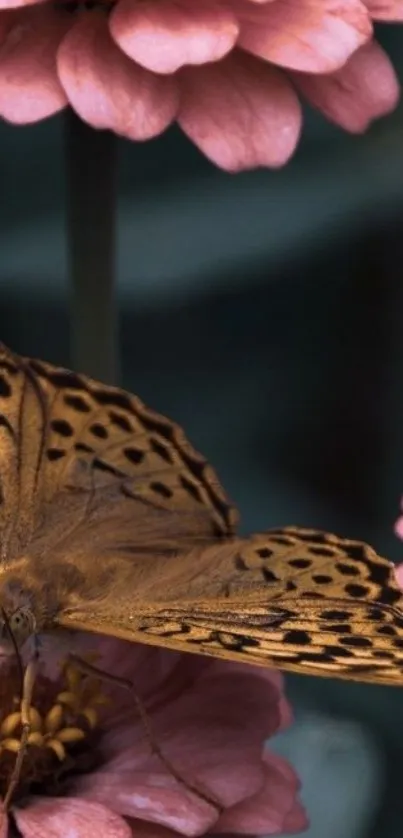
(151, 797)
(107, 89)
(62, 817)
(399, 575)
(214, 745)
(267, 676)
(194, 678)
(385, 9)
(29, 87)
(314, 36)
(366, 88)
(163, 36)
(15, 4)
(272, 810)
(241, 113)
(399, 522)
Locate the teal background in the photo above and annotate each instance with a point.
(264, 312)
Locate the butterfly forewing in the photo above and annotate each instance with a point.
(108, 502)
(80, 456)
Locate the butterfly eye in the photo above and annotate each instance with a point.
(21, 624)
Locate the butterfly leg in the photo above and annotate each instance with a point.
(25, 706)
(126, 684)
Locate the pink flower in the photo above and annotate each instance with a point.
(399, 532)
(227, 70)
(209, 718)
(399, 523)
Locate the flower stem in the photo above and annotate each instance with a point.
(91, 226)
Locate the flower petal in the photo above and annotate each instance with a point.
(60, 817)
(399, 573)
(365, 89)
(385, 9)
(215, 745)
(29, 86)
(151, 797)
(163, 36)
(16, 4)
(313, 36)
(272, 810)
(107, 89)
(241, 113)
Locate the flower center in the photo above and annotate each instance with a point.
(62, 739)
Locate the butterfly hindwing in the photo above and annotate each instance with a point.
(259, 600)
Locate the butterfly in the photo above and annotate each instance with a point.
(111, 523)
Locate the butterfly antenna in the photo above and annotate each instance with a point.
(15, 647)
(126, 684)
(27, 680)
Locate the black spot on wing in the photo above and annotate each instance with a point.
(348, 569)
(388, 631)
(240, 563)
(61, 379)
(161, 489)
(336, 628)
(77, 403)
(235, 642)
(134, 455)
(54, 454)
(161, 450)
(120, 421)
(356, 591)
(5, 389)
(99, 430)
(268, 575)
(62, 427)
(334, 614)
(297, 636)
(361, 642)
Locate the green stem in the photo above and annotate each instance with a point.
(91, 240)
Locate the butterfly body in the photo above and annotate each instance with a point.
(111, 523)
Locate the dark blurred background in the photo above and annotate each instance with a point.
(264, 312)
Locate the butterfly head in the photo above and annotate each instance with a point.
(17, 612)
(15, 628)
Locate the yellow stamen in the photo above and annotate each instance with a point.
(55, 726)
(68, 698)
(35, 719)
(91, 715)
(12, 745)
(57, 748)
(10, 723)
(36, 738)
(70, 734)
(53, 719)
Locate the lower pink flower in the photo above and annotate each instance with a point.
(228, 71)
(210, 720)
(399, 523)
